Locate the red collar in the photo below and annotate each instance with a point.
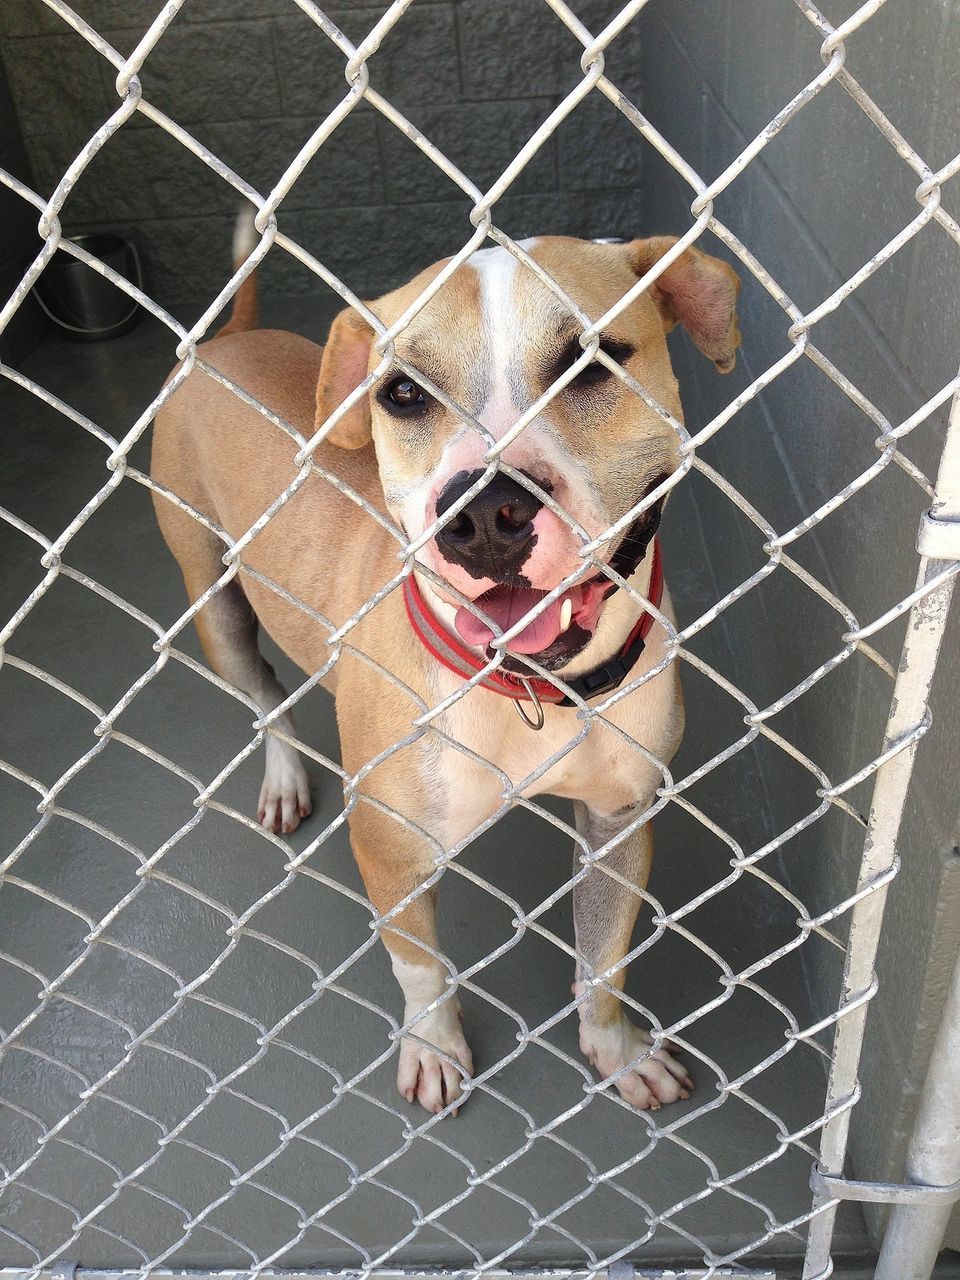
(453, 654)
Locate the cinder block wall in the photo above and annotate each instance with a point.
(252, 79)
(823, 198)
(18, 241)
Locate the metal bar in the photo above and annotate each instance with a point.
(883, 1192)
(618, 1271)
(908, 707)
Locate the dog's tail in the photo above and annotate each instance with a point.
(243, 315)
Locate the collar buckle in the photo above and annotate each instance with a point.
(606, 678)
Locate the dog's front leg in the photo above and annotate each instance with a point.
(395, 863)
(605, 911)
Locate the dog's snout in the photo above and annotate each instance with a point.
(493, 534)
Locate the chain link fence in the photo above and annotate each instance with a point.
(105, 1157)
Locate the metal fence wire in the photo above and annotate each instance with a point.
(66, 1174)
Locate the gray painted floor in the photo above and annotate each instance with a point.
(545, 1202)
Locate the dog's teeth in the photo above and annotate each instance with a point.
(566, 615)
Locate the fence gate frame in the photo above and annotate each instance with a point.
(923, 1202)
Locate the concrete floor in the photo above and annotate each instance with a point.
(542, 1206)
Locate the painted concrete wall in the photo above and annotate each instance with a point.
(252, 80)
(822, 199)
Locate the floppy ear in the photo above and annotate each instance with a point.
(342, 369)
(696, 291)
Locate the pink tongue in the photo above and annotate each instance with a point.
(506, 606)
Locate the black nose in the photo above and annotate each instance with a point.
(493, 534)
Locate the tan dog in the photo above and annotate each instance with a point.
(493, 339)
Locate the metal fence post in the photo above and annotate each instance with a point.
(914, 1233)
(939, 545)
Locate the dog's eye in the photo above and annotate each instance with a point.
(591, 375)
(404, 394)
(594, 373)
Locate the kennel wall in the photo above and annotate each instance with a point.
(18, 225)
(825, 196)
(251, 81)
(167, 1022)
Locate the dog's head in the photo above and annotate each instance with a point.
(492, 340)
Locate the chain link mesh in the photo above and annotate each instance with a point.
(69, 1164)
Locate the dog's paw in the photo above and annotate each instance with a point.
(285, 793)
(425, 1077)
(652, 1078)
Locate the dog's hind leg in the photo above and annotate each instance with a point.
(605, 910)
(228, 627)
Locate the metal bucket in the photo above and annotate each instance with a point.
(80, 300)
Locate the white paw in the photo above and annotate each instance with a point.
(427, 1078)
(285, 793)
(652, 1079)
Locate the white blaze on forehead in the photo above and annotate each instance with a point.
(497, 270)
(540, 450)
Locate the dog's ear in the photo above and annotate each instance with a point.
(342, 369)
(696, 291)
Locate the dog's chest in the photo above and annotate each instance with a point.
(594, 760)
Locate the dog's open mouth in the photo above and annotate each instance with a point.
(561, 629)
(567, 625)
